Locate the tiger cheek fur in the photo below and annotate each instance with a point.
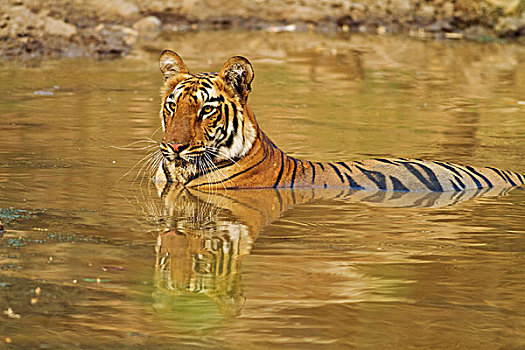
(212, 140)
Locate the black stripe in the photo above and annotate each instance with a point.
(166, 189)
(343, 164)
(166, 172)
(497, 171)
(510, 180)
(457, 195)
(352, 183)
(207, 95)
(321, 165)
(337, 172)
(294, 171)
(476, 181)
(280, 171)
(521, 178)
(226, 110)
(229, 141)
(340, 194)
(449, 167)
(431, 183)
(461, 184)
(397, 184)
(398, 194)
(234, 108)
(385, 161)
(313, 171)
(376, 197)
(456, 188)
(205, 84)
(376, 177)
(489, 184)
(234, 175)
(302, 167)
(235, 123)
(280, 200)
(227, 121)
(430, 201)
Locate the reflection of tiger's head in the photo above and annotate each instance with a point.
(204, 116)
(200, 250)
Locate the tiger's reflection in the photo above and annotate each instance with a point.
(200, 250)
(207, 234)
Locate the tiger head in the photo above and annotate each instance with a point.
(204, 116)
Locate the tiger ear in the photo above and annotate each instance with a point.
(171, 64)
(237, 73)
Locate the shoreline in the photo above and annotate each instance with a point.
(75, 28)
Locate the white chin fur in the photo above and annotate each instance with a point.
(176, 173)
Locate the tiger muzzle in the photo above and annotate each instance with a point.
(171, 150)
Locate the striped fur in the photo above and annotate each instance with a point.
(212, 140)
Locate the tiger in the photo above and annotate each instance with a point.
(212, 141)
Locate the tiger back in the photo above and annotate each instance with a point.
(212, 141)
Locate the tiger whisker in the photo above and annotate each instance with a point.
(213, 166)
(216, 179)
(133, 148)
(149, 169)
(154, 132)
(143, 159)
(216, 152)
(128, 146)
(150, 157)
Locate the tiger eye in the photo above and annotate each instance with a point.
(207, 109)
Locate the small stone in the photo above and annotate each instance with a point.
(10, 313)
(111, 9)
(426, 12)
(38, 291)
(147, 25)
(448, 10)
(60, 28)
(479, 33)
(509, 26)
(455, 36)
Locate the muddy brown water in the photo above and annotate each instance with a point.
(93, 258)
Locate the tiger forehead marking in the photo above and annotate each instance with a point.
(212, 140)
(199, 89)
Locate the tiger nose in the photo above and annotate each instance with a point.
(176, 147)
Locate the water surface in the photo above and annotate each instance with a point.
(93, 257)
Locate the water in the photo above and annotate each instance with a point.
(93, 258)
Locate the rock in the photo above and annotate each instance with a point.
(56, 27)
(510, 26)
(114, 9)
(479, 33)
(400, 5)
(426, 12)
(509, 7)
(148, 26)
(440, 26)
(448, 10)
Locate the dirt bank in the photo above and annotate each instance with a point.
(71, 28)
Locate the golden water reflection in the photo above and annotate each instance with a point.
(207, 235)
(117, 265)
